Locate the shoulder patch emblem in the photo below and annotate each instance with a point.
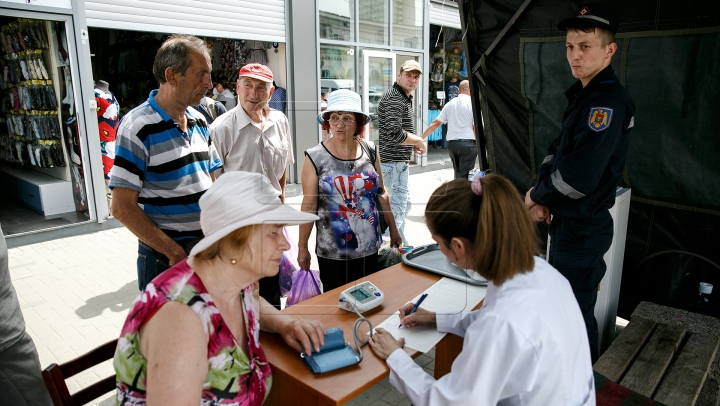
(600, 118)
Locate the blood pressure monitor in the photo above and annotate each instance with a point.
(363, 296)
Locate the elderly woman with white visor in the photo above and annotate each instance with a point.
(341, 179)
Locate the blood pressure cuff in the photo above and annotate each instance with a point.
(335, 354)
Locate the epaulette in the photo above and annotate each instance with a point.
(607, 86)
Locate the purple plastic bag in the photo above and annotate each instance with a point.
(288, 265)
(305, 284)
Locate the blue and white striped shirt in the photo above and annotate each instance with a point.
(168, 168)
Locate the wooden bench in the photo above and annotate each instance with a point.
(663, 362)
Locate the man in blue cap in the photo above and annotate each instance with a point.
(577, 180)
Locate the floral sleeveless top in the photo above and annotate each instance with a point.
(233, 377)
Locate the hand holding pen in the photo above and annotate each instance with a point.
(420, 316)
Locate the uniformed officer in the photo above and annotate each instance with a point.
(578, 177)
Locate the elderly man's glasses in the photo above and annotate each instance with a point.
(344, 121)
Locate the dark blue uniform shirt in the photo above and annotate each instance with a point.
(584, 164)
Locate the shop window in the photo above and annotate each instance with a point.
(337, 68)
(41, 155)
(337, 71)
(408, 17)
(374, 21)
(337, 20)
(125, 58)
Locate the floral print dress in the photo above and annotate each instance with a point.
(233, 378)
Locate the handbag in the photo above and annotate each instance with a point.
(389, 256)
(305, 285)
(371, 154)
(335, 354)
(288, 265)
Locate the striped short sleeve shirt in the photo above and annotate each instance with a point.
(395, 116)
(168, 168)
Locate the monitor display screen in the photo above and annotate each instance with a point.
(360, 294)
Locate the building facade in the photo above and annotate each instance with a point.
(312, 46)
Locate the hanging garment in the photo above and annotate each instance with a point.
(241, 54)
(107, 115)
(256, 51)
(25, 71)
(18, 149)
(15, 99)
(454, 64)
(11, 130)
(69, 99)
(31, 155)
(437, 134)
(437, 72)
(58, 157)
(61, 43)
(41, 66)
(463, 71)
(33, 70)
(227, 56)
(10, 42)
(20, 126)
(19, 38)
(3, 43)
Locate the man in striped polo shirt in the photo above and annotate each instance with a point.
(398, 139)
(164, 159)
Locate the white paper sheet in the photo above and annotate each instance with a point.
(446, 295)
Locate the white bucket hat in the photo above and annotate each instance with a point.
(343, 100)
(239, 199)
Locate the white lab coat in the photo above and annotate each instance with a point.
(527, 345)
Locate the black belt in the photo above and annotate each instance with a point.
(189, 243)
(468, 140)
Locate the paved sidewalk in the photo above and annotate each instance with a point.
(75, 292)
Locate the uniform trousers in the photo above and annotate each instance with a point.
(577, 248)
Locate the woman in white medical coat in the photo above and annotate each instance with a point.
(527, 344)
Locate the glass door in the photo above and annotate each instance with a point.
(377, 77)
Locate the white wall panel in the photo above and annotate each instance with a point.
(242, 19)
(446, 14)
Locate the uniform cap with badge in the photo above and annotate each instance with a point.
(594, 14)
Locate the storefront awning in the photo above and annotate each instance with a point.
(240, 19)
(445, 13)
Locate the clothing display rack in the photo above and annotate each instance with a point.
(37, 116)
(30, 125)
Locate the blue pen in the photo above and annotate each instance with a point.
(424, 295)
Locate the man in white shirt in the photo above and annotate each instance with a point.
(461, 131)
(252, 137)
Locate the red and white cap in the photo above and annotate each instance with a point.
(256, 71)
